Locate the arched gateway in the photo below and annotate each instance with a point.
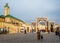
(43, 20)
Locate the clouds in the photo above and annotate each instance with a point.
(24, 9)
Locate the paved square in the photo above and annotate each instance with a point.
(29, 37)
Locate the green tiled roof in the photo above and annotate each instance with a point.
(6, 5)
(14, 18)
(2, 16)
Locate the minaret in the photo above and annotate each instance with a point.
(6, 10)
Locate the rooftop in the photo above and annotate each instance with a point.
(2, 16)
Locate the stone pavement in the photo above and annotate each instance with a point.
(29, 37)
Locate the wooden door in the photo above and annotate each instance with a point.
(27, 29)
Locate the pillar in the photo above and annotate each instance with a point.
(52, 27)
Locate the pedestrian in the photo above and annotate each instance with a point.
(41, 36)
(59, 34)
(38, 35)
(25, 31)
(57, 31)
(49, 31)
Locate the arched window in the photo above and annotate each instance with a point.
(42, 22)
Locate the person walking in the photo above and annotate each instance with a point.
(39, 36)
(59, 34)
(57, 31)
(25, 32)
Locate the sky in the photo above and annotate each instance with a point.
(29, 10)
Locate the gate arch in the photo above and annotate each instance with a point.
(44, 20)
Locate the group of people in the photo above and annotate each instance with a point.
(39, 35)
(57, 32)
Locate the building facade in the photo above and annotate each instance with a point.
(11, 24)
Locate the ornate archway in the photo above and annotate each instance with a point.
(44, 20)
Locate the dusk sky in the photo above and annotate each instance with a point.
(29, 10)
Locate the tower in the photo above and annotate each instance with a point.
(6, 10)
